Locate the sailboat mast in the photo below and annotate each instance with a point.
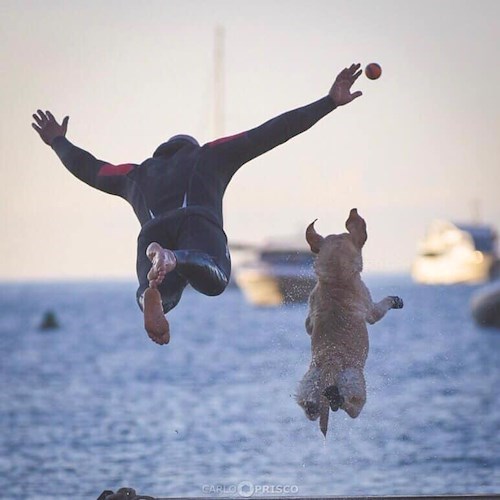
(219, 87)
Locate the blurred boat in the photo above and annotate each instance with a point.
(456, 253)
(275, 273)
(485, 305)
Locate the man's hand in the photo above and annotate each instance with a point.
(47, 127)
(341, 88)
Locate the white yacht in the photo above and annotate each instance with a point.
(275, 273)
(456, 253)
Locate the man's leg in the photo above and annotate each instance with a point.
(158, 299)
(163, 262)
(202, 257)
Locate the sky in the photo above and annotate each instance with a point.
(421, 143)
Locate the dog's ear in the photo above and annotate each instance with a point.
(314, 239)
(356, 226)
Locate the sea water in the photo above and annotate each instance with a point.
(96, 405)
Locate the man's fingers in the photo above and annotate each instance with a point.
(37, 119)
(51, 116)
(349, 73)
(36, 127)
(43, 118)
(356, 94)
(356, 76)
(65, 124)
(354, 67)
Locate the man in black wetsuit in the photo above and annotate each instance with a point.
(177, 197)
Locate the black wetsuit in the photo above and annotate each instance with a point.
(177, 196)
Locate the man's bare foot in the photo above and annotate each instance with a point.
(155, 322)
(163, 262)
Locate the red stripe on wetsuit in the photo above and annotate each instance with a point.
(112, 170)
(225, 139)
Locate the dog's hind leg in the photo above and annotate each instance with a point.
(352, 388)
(308, 395)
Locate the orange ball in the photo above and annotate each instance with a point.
(373, 71)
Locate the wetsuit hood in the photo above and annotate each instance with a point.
(174, 144)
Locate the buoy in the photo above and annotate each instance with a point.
(49, 321)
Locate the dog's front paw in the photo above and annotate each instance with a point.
(397, 302)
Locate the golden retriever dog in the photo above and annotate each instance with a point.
(340, 305)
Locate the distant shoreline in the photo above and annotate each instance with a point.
(398, 275)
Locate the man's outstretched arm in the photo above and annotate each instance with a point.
(243, 147)
(96, 173)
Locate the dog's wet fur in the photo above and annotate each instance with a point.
(340, 305)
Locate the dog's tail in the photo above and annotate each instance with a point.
(324, 412)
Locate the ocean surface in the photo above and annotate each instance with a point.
(96, 405)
